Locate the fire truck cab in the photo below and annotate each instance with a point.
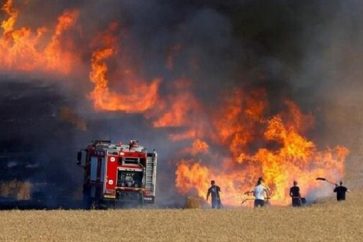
(117, 174)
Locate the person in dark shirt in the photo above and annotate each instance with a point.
(214, 191)
(340, 190)
(295, 195)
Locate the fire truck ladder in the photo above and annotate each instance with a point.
(150, 172)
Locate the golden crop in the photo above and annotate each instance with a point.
(324, 221)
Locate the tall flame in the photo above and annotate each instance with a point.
(8, 25)
(136, 96)
(285, 154)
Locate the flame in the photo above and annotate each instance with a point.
(286, 155)
(24, 48)
(175, 110)
(192, 176)
(198, 146)
(179, 110)
(138, 96)
(54, 56)
(240, 120)
(188, 134)
(8, 25)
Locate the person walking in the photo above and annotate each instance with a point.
(295, 195)
(260, 192)
(268, 190)
(214, 191)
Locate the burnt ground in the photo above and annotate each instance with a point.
(36, 146)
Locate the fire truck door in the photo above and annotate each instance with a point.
(103, 172)
(97, 169)
(93, 172)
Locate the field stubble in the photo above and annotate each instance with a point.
(324, 221)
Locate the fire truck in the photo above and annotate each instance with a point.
(117, 174)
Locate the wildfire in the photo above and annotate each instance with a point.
(233, 141)
(284, 156)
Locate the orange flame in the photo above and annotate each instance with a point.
(23, 47)
(199, 146)
(286, 156)
(189, 134)
(53, 54)
(8, 25)
(139, 96)
(174, 110)
(239, 123)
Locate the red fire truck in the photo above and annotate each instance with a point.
(117, 174)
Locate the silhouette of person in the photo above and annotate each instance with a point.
(214, 191)
(295, 195)
(340, 190)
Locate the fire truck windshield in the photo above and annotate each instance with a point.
(129, 178)
(130, 160)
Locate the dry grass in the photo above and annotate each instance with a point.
(325, 221)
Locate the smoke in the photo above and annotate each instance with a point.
(308, 52)
(331, 73)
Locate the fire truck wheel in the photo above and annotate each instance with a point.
(87, 202)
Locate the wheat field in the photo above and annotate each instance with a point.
(324, 221)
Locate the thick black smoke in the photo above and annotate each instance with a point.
(307, 51)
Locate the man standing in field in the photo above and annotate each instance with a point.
(295, 195)
(260, 192)
(214, 190)
(340, 190)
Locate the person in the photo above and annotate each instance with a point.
(268, 190)
(132, 144)
(295, 195)
(214, 191)
(260, 192)
(340, 190)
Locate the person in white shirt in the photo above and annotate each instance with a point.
(260, 192)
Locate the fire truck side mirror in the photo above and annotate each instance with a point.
(81, 158)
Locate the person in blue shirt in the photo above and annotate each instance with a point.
(214, 191)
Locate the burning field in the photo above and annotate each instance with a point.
(223, 91)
